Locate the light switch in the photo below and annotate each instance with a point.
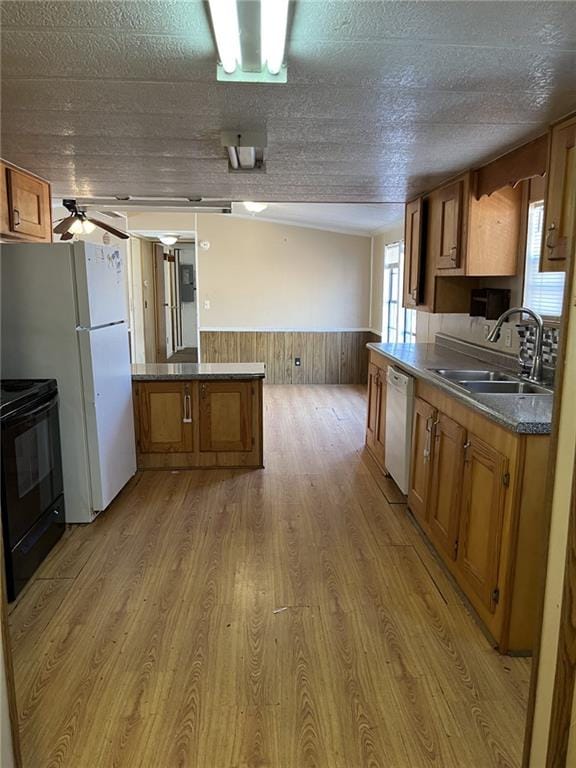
(206, 303)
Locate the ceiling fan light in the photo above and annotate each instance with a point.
(227, 32)
(252, 207)
(168, 239)
(76, 228)
(273, 28)
(88, 226)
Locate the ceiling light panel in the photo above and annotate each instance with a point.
(251, 39)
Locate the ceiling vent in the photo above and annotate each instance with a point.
(245, 151)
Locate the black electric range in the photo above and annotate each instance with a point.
(31, 471)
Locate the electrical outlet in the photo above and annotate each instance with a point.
(486, 330)
(207, 304)
(508, 337)
(297, 362)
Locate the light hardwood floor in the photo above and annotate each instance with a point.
(281, 618)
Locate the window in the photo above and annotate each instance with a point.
(398, 324)
(543, 291)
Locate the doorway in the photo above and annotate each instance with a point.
(176, 306)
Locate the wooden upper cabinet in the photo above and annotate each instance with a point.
(466, 236)
(448, 210)
(447, 465)
(26, 212)
(165, 423)
(226, 422)
(420, 466)
(560, 224)
(414, 252)
(485, 483)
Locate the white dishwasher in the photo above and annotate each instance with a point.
(399, 407)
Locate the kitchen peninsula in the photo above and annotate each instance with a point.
(198, 415)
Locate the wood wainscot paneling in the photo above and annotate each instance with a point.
(330, 357)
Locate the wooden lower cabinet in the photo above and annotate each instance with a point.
(165, 417)
(484, 487)
(419, 487)
(226, 416)
(187, 424)
(477, 492)
(448, 447)
(376, 421)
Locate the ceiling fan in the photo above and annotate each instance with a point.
(79, 223)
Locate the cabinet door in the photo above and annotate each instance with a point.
(165, 417)
(372, 417)
(29, 210)
(482, 512)
(413, 253)
(561, 199)
(419, 487)
(449, 212)
(226, 415)
(447, 465)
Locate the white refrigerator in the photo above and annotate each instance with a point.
(64, 316)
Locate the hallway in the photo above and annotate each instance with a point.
(285, 618)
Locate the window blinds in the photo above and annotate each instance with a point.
(543, 291)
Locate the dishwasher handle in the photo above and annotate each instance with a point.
(397, 379)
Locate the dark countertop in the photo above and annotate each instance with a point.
(197, 371)
(524, 414)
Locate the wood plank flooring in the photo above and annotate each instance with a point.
(290, 617)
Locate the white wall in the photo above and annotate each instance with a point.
(561, 499)
(263, 275)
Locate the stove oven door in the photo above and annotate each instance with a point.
(31, 467)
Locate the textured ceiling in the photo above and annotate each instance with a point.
(355, 218)
(383, 99)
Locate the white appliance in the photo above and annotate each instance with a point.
(399, 407)
(64, 311)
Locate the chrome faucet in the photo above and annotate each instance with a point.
(494, 335)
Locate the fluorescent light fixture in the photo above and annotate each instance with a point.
(255, 207)
(168, 239)
(227, 32)
(251, 39)
(273, 27)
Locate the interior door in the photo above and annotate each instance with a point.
(450, 212)
(226, 415)
(419, 487)
(166, 423)
(160, 304)
(447, 466)
(481, 519)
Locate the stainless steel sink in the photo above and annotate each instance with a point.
(492, 382)
(467, 375)
(504, 387)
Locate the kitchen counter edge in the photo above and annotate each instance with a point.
(526, 416)
(197, 371)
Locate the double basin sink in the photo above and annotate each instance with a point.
(492, 382)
